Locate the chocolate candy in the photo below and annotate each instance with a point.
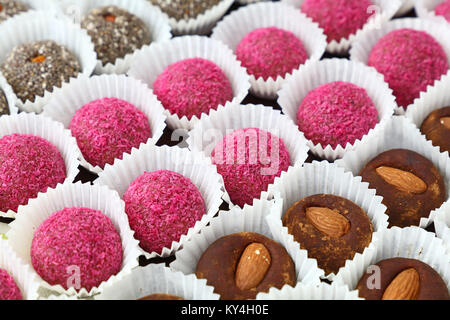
(436, 127)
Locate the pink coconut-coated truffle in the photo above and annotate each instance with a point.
(443, 9)
(76, 239)
(338, 18)
(191, 87)
(410, 60)
(271, 52)
(249, 160)
(107, 128)
(8, 287)
(336, 113)
(161, 207)
(28, 165)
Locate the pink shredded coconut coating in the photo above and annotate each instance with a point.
(192, 86)
(161, 207)
(107, 128)
(410, 60)
(249, 160)
(28, 165)
(338, 18)
(271, 52)
(443, 9)
(8, 287)
(336, 113)
(77, 238)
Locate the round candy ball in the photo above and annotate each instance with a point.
(191, 87)
(77, 243)
(336, 113)
(443, 9)
(28, 165)
(249, 160)
(107, 128)
(410, 60)
(338, 18)
(161, 207)
(271, 52)
(8, 287)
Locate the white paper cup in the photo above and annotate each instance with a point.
(38, 25)
(315, 74)
(68, 195)
(234, 27)
(365, 41)
(406, 6)
(425, 10)
(50, 6)
(244, 2)
(152, 61)
(191, 165)
(411, 243)
(383, 11)
(249, 219)
(11, 98)
(398, 133)
(46, 128)
(72, 96)
(158, 279)
(442, 224)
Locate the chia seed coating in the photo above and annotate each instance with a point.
(35, 67)
(115, 32)
(9, 8)
(185, 9)
(4, 108)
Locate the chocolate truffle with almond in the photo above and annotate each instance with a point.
(436, 127)
(161, 296)
(411, 186)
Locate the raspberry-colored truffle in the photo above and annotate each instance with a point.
(161, 207)
(76, 239)
(107, 128)
(338, 18)
(443, 9)
(271, 52)
(8, 287)
(410, 60)
(28, 165)
(249, 160)
(192, 86)
(336, 113)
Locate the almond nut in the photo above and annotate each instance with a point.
(253, 266)
(328, 221)
(402, 180)
(445, 121)
(405, 286)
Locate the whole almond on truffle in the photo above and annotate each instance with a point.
(405, 286)
(328, 221)
(402, 180)
(253, 266)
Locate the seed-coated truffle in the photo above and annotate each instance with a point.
(161, 207)
(271, 52)
(4, 107)
(9, 8)
(8, 287)
(249, 160)
(108, 127)
(336, 113)
(28, 165)
(185, 9)
(410, 60)
(443, 9)
(77, 243)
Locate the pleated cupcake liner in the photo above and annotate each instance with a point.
(152, 61)
(249, 219)
(192, 165)
(425, 10)
(406, 6)
(442, 224)
(317, 73)
(383, 11)
(68, 195)
(234, 27)
(398, 133)
(49, 6)
(11, 98)
(46, 128)
(72, 96)
(244, 2)
(40, 25)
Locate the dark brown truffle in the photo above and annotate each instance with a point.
(9, 8)
(411, 186)
(331, 228)
(436, 127)
(4, 108)
(161, 296)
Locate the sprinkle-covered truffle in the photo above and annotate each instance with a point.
(36, 67)
(338, 18)
(410, 60)
(185, 9)
(271, 52)
(115, 32)
(161, 207)
(28, 165)
(4, 107)
(443, 9)
(8, 287)
(192, 86)
(336, 113)
(77, 244)
(9, 8)
(249, 160)
(107, 128)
